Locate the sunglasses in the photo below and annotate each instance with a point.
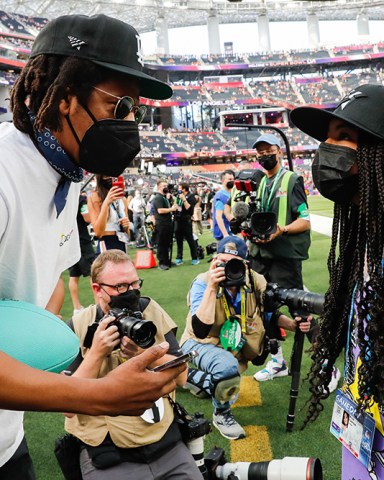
(125, 106)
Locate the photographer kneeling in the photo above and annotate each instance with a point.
(226, 325)
(149, 446)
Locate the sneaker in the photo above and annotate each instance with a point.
(272, 369)
(196, 388)
(195, 262)
(163, 267)
(77, 310)
(179, 261)
(225, 422)
(332, 385)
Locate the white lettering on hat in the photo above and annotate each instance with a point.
(75, 42)
(140, 56)
(231, 251)
(349, 98)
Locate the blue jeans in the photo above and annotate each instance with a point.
(213, 365)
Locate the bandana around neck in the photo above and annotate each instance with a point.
(51, 150)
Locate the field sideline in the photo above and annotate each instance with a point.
(261, 409)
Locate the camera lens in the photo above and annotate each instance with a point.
(142, 332)
(234, 273)
(263, 224)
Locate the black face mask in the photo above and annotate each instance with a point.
(230, 184)
(129, 299)
(268, 162)
(108, 146)
(330, 172)
(106, 183)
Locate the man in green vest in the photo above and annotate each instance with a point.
(279, 257)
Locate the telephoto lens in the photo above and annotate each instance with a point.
(289, 468)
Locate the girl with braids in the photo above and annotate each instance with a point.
(108, 210)
(75, 107)
(348, 169)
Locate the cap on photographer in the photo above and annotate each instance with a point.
(226, 326)
(279, 257)
(129, 441)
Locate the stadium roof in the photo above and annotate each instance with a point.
(142, 14)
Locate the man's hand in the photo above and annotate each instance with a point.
(216, 274)
(129, 349)
(279, 231)
(131, 388)
(303, 325)
(106, 338)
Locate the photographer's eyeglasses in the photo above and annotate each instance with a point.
(124, 287)
(125, 106)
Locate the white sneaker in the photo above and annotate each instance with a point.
(272, 369)
(77, 310)
(332, 385)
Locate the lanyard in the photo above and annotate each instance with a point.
(266, 204)
(242, 315)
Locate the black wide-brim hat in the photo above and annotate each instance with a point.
(363, 108)
(104, 40)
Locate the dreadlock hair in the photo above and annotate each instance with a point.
(356, 281)
(44, 82)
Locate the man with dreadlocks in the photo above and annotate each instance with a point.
(75, 106)
(348, 169)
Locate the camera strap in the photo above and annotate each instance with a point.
(229, 310)
(265, 202)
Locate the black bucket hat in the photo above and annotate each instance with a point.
(103, 40)
(363, 108)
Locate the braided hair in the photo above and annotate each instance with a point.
(356, 277)
(44, 82)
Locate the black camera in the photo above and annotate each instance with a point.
(299, 468)
(249, 216)
(296, 300)
(132, 325)
(172, 188)
(193, 429)
(235, 273)
(129, 324)
(194, 426)
(211, 248)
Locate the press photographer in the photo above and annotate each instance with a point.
(279, 255)
(229, 327)
(183, 223)
(125, 446)
(163, 209)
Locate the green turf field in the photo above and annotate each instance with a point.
(170, 288)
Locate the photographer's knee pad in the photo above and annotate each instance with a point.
(227, 389)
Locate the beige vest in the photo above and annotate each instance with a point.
(126, 432)
(255, 329)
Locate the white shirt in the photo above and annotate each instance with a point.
(35, 246)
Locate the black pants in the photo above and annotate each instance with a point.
(287, 273)
(183, 231)
(19, 466)
(164, 241)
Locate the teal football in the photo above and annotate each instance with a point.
(36, 337)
